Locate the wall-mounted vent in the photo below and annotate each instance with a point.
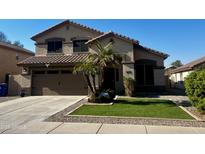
(17, 57)
(25, 70)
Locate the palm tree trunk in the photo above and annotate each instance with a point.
(102, 77)
(89, 83)
(94, 85)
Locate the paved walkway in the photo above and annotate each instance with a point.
(98, 128)
(180, 100)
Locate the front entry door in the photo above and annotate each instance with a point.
(109, 79)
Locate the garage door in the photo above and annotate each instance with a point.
(59, 84)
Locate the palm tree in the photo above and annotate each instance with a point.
(105, 57)
(89, 69)
(96, 64)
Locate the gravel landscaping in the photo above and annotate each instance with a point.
(194, 111)
(63, 116)
(184, 102)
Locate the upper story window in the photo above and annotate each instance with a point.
(80, 46)
(54, 46)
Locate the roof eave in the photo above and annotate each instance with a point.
(44, 64)
(178, 70)
(66, 22)
(111, 34)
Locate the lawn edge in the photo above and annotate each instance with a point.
(127, 117)
(195, 117)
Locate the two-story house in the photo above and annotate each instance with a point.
(61, 47)
(10, 55)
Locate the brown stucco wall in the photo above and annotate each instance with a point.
(65, 33)
(18, 83)
(8, 61)
(142, 54)
(159, 78)
(125, 49)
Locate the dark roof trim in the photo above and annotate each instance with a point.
(14, 47)
(55, 39)
(158, 53)
(66, 22)
(128, 62)
(112, 34)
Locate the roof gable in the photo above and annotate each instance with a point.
(65, 23)
(152, 51)
(112, 34)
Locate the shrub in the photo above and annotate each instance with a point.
(111, 93)
(201, 106)
(129, 85)
(104, 96)
(195, 89)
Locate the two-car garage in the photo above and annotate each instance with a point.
(58, 82)
(53, 75)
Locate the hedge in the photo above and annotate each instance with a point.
(195, 89)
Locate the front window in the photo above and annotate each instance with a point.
(80, 46)
(144, 75)
(54, 46)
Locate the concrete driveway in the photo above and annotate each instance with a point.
(34, 109)
(26, 115)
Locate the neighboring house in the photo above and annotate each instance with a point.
(10, 55)
(179, 74)
(61, 47)
(167, 74)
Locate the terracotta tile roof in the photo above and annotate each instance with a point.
(107, 34)
(66, 22)
(159, 53)
(102, 35)
(189, 66)
(54, 59)
(11, 46)
(136, 42)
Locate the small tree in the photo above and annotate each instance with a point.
(3, 37)
(129, 86)
(195, 89)
(177, 63)
(105, 57)
(95, 65)
(18, 43)
(89, 70)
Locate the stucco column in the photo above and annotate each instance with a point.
(129, 70)
(159, 78)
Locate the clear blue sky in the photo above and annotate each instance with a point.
(181, 39)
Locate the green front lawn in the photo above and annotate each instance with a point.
(135, 107)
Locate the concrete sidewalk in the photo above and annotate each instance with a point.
(98, 128)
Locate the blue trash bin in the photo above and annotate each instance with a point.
(3, 89)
